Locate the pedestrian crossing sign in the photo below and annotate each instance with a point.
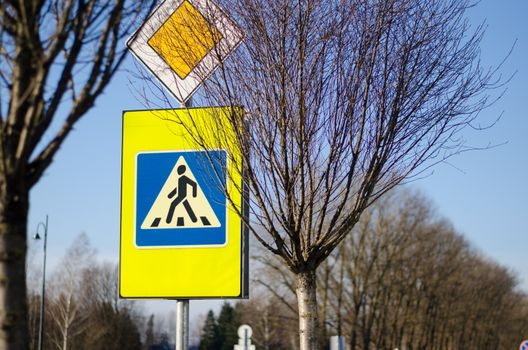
(180, 199)
(183, 206)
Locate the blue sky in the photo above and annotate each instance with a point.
(483, 193)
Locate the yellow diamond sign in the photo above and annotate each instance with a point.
(183, 42)
(184, 39)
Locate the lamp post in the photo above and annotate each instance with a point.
(43, 296)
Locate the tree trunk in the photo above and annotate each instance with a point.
(307, 303)
(14, 207)
(65, 336)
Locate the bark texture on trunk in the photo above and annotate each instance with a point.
(307, 303)
(13, 302)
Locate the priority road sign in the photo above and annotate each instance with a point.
(182, 234)
(183, 42)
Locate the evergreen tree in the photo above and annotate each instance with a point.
(210, 337)
(228, 323)
(149, 333)
(164, 341)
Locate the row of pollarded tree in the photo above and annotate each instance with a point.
(403, 279)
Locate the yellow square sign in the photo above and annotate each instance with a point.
(183, 42)
(184, 39)
(181, 230)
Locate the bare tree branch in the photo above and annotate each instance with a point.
(344, 100)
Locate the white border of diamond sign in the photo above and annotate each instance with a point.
(183, 89)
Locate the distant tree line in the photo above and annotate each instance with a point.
(403, 278)
(83, 310)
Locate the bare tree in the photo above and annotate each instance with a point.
(412, 282)
(272, 323)
(83, 306)
(405, 279)
(66, 307)
(343, 100)
(112, 323)
(56, 58)
(34, 282)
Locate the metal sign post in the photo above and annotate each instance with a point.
(182, 324)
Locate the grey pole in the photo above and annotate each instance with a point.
(182, 324)
(43, 293)
(182, 306)
(337, 342)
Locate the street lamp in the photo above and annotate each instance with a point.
(41, 323)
